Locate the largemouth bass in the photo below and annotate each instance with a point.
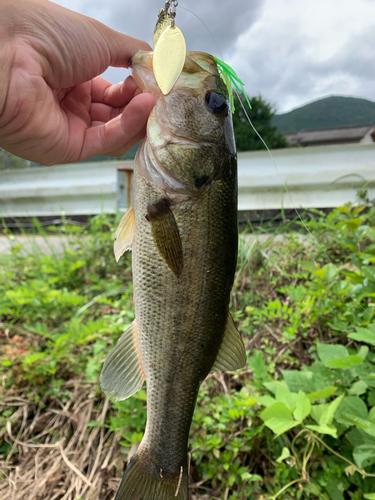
(183, 232)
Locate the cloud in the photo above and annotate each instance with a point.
(290, 51)
(226, 20)
(299, 51)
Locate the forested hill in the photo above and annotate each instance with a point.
(333, 111)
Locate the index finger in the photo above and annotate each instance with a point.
(117, 95)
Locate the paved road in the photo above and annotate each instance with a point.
(49, 245)
(34, 244)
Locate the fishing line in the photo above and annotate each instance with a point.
(264, 143)
(207, 28)
(278, 173)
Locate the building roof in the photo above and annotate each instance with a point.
(352, 133)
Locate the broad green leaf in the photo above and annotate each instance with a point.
(322, 377)
(359, 209)
(340, 326)
(345, 208)
(336, 486)
(329, 413)
(277, 410)
(274, 384)
(358, 388)
(320, 273)
(266, 400)
(327, 352)
(364, 455)
(369, 273)
(324, 429)
(285, 396)
(363, 335)
(366, 372)
(303, 407)
(279, 426)
(352, 406)
(355, 277)
(346, 242)
(278, 418)
(353, 224)
(331, 273)
(369, 496)
(363, 351)
(318, 410)
(358, 437)
(371, 415)
(345, 362)
(308, 266)
(298, 380)
(365, 425)
(322, 394)
(284, 455)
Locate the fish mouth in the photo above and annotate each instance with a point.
(141, 65)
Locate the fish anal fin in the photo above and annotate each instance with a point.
(124, 233)
(166, 235)
(232, 353)
(122, 374)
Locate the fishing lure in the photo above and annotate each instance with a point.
(169, 48)
(230, 77)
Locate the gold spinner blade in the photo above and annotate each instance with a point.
(169, 52)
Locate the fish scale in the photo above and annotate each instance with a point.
(184, 244)
(174, 321)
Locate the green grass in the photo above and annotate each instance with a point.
(298, 422)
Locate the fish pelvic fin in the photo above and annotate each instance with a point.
(232, 353)
(138, 483)
(124, 233)
(122, 374)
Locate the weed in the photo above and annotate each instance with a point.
(298, 422)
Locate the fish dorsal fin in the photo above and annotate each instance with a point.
(166, 235)
(122, 374)
(232, 354)
(124, 233)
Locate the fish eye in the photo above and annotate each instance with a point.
(217, 103)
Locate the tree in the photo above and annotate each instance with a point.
(261, 116)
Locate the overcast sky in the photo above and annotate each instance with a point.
(289, 51)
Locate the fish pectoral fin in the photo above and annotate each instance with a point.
(232, 354)
(122, 374)
(166, 235)
(124, 233)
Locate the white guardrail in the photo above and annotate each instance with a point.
(324, 176)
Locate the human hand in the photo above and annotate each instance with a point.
(53, 106)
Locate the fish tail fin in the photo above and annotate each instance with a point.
(138, 483)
